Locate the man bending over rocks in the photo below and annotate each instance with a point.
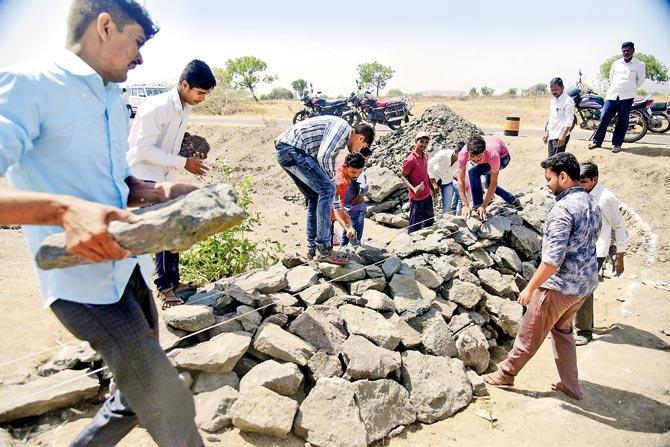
(567, 275)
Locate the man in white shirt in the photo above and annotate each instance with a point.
(626, 75)
(155, 140)
(561, 117)
(612, 222)
(442, 168)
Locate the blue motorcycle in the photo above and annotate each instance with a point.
(317, 106)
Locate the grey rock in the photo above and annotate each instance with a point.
(282, 378)
(481, 259)
(528, 269)
(323, 365)
(315, 328)
(507, 258)
(205, 382)
(428, 277)
(478, 385)
(168, 336)
(416, 309)
(446, 308)
(391, 220)
(473, 348)
(218, 355)
(435, 335)
(259, 410)
(374, 271)
(360, 287)
(495, 227)
(473, 224)
(443, 267)
(405, 291)
(301, 277)
(391, 266)
(213, 409)
(378, 301)
(265, 281)
(224, 323)
(291, 260)
(382, 182)
(493, 282)
(69, 357)
(403, 246)
(329, 416)
(370, 254)
(274, 341)
(317, 294)
(409, 337)
(248, 317)
(459, 322)
(465, 294)
(189, 318)
(384, 405)
(365, 360)
(343, 273)
(280, 320)
(172, 226)
(369, 324)
(505, 313)
(464, 237)
(353, 299)
(525, 241)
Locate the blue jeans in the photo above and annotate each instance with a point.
(357, 221)
(476, 172)
(450, 197)
(622, 108)
(318, 189)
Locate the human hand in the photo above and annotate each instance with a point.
(481, 212)
(561, 140)
(85, 226)
(525, 297)
(618, 264)
(358, 199)
(196, 165)
(545, 138)
(466, 210)
(419, 188)
(351, 233)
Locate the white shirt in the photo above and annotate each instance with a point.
(561, 115)
(440, 166)
(156, 135)
(625, 78)
(612, 220)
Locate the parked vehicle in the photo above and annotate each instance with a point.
(660, 111)
(315, 105)
(137, 94)
(588, 110)
(391, 112)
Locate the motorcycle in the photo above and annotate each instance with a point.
(392, 112)
(660, 111)
(588, 109)
(315, 105)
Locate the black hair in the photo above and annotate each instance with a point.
(123, 12)
(355, 160)
(365, 152)
(588, 170)
(556, 81)
(460, 145)
(476, 145)
(366, 130)
(198, 75)
(627, 45)
(563, 162)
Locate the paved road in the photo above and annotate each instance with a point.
(649, 139)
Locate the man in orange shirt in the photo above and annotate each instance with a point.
(347, 174)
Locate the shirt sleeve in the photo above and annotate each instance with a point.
(494, 161)
(569, 110)
(434, 167)
(407, 166)
(641, 74)
(332, 142)
(463, 157)
(612, 213)
(556, 236)
(148, 126)
(19, 118)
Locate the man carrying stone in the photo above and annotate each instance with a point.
(612, 221)
(154, 143)
(489, 155)
(63, 129)
(567, 274)
(561, 117)
(626, 75)
(415, 177)
(307, 152)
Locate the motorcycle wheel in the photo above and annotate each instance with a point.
(300, 116)
(665, 123)
(393, 125)
(352, 118)
(638, 129)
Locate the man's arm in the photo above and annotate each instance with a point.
(147, 127)
(493, 184)
(641, 74)
(543, 273)
(612, 214)
(461, 192)
(142, 192)
(569, 112)
(331, 144)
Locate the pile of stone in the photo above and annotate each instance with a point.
(343, 355)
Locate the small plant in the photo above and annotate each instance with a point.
(231, 252)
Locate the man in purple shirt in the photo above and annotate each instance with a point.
(415, 176)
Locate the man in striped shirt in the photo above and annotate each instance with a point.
(307, 152)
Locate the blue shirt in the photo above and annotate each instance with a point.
(63, 131)
(570, 234)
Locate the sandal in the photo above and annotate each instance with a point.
(331, 257)
(499, 379)
(594, 145)
(616, 149)
(169, 299)
(558, 386)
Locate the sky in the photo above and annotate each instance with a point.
(432, 45)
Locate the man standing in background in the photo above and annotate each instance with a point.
(561, 117)
(415, 177)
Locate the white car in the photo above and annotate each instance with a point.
(137, 94)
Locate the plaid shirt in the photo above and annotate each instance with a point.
(569, 242)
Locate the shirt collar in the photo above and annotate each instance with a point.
(596, 189)
(72, 63)
(419, 156)
(176, 100)
(569, 191)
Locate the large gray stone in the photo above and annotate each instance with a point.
(360, 287)
(274, 341)
(465, 294)
(382, 182)
(438, 386)
(409, 337)
(315, 328)
(435, 335)
(525, 241)
(213, 409)
(224, 323)
(505, 313)
(365, 360)
(205, 382)
(507, 258)
(391, 220)
(495, 227)
(45, 394)
(493, 282)
(172, 226)
(369, 324)
(69, 357)
(317, 294)
(378, 301)
(323, 365)
(428, 277)
(218, 355)
(384, 405)
(260, 410)
(473, 348)
(406, 290)
(265, 281)
(443, 267)
(481, 259)
(301, 277)
(343, 273)
(282, 378)
(391, 266)
(329, 416)
(248, 317)
(189, 318)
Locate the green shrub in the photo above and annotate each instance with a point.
(278, 93)
(231, 252)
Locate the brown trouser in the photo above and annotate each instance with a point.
(548, 310)
(584, 317)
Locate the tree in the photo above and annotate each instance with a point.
(300, 86)
(473, 92)
(656, 71)
(395, 92)
(375, 75)
(278, 93)
(510, 92)
(486, 91)
(247, 72)
(535, 90)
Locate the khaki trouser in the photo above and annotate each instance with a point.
(584, 317)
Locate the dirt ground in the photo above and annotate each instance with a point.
(625, 372)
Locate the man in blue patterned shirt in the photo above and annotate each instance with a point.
(567, 275)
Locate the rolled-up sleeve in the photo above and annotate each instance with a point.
(568, 113)
(612, 213)
(641, 74)
(333, 141)
(556, 236)
(143, 142)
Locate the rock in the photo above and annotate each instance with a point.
(353, 299)
(313, 327)
(272, 340)
(260, 410)
(63, 389)
(391, 266)
(384, 405)
(169, 337)
(282, 378)
(213, 409)
(205, 382)
(378, 301)
(369, 324)
(428, 277)
(365, 360)
(280, 320)
(481, 259)
(443, 267)
(218, 355)
(382, 182)
(438, 386)
(493, 282)
(525, 241)
(189, 318)
(324, 365)
(248, 317)
(329, 416)
(435, 335)
(417, 308)
(291, 260)
(478, 385)
(301, 277)
(507, 258)
(464, 237)
(460, 321)
(317, 294)
(446, 308)
(6, 439)
(371, 254)
(224, 323)
(404, 290)
(505, 313)
(360, 287)
(465, 294)
(265, 281)
(528, 269)
(473, 348)
(495, 227)
(343, 273)
(69, 357)
(194, 146)
(409, 337)
(171, 226)
(374, 272)
(396, 431)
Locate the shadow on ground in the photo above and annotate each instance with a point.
(625, 334)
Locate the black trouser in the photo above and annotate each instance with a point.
(553, 148)
(420, 214)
